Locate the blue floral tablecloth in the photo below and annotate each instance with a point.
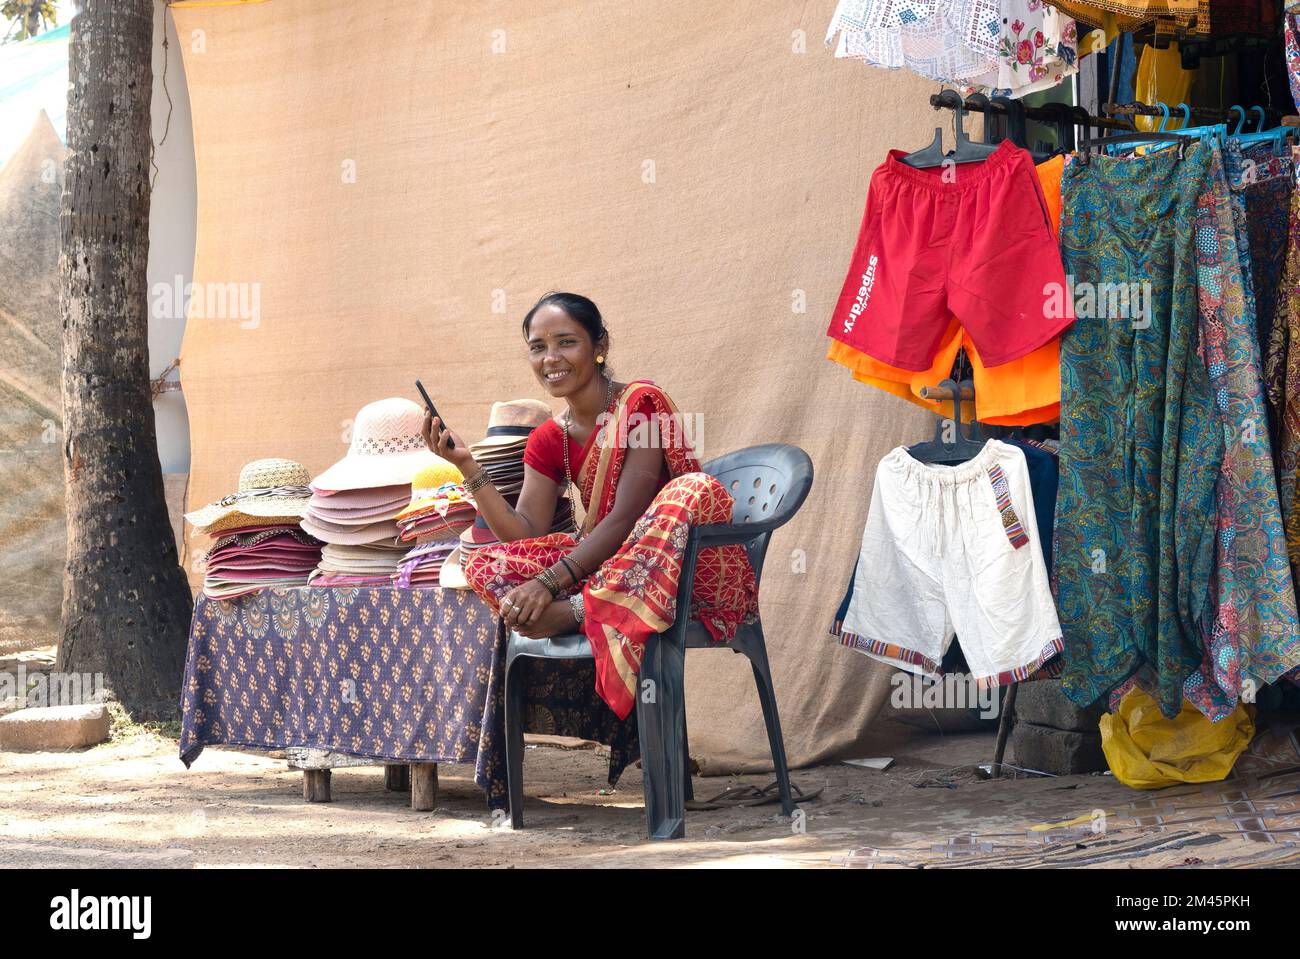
(396, 675)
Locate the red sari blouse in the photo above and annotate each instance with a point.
(544, 451)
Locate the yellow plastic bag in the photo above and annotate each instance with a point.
(1147, 751)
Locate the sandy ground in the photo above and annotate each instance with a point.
(131, 802)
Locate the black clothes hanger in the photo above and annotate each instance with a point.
(1064, 120)
(1016, 129)
(979, 103)
(967, 150)
(941, 450)
(1061, 117)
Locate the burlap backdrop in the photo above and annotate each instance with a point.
(697, 169)
(33, 535)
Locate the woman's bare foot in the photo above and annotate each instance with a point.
(555, 620)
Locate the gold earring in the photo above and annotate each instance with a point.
(600, 359)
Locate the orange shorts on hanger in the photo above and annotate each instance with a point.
(1019, 393)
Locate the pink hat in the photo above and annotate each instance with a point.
(385, 532)
(359, 498)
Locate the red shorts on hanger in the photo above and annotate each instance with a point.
(972, 240)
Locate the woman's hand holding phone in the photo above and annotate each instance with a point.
(436, 438)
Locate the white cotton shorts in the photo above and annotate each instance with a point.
(954, 549)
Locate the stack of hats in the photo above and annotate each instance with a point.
(422, 566)
(501, 451)
(439, 509)
(439, 506)
(501, 454)
(256, 538)
(354, 504)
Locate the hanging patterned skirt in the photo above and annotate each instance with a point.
(1141, 443)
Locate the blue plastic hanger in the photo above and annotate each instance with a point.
(1133, 141)
(1277, 136)
(1214, 133)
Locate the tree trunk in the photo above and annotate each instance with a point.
(126, 602)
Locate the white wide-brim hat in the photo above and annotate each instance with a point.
(452, 576)
(387, 448)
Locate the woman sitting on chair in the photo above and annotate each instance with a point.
(623, 446)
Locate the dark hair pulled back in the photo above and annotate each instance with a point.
(577, 306)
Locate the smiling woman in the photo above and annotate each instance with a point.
(622, 446)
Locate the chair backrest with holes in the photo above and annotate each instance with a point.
(769, 482)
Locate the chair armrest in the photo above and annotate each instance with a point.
(728, 534)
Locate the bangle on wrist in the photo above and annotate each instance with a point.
(583, 571)
(547, 579)
(578, 607)
(572, 568)
(477, 481)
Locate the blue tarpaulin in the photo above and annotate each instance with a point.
(33, 77)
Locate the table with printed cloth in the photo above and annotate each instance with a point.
(397, 676)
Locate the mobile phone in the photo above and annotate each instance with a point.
(451, 443)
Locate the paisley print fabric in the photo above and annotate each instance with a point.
(1286, 342)
(1264, 182)
(1291, 31)
(1254, 629)
(1141, 444)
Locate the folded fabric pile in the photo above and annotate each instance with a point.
(1003, 47)
(501, 454)
(354, 504)
(256, 539)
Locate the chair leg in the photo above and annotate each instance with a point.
(660, 720)
(686, 753)
(756, 650)
(515, 744)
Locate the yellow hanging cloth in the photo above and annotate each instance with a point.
(1160, 76)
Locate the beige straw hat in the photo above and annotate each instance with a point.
(271, 490)
(512, 420)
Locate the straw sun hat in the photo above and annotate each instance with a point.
(387, 448)
(270, 490)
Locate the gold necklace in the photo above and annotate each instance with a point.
(568, 475)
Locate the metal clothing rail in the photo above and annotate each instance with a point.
(1051, 113)
(1207, 114)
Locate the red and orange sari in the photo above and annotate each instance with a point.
(633, 594)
